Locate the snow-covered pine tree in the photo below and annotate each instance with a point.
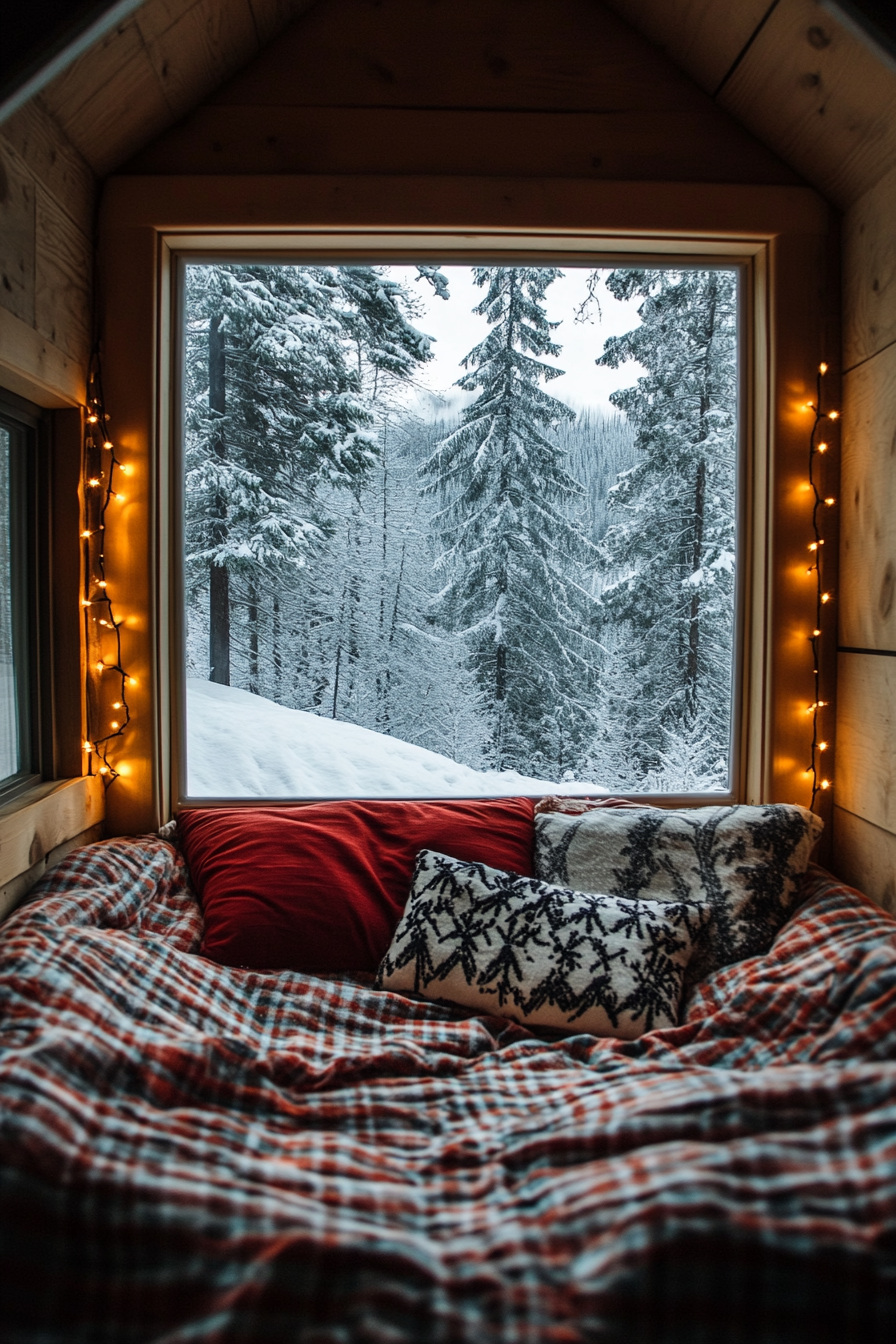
(275, 413)
(669, 563)
(513, 558)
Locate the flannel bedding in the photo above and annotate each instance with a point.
(195, 1153)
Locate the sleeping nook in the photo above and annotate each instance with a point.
(447, 671)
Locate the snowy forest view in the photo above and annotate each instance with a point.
(429, 553)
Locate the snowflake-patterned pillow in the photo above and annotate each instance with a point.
(746, 862)
(540, 954)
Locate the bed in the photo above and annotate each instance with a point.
(196, 1153)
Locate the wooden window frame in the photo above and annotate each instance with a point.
(50, 808)
(784, 238)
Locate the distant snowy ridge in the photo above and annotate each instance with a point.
(240, 745)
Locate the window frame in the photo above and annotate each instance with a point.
(399, 248)
(30, 426)
(789, 233)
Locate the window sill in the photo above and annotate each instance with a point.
(39, 828)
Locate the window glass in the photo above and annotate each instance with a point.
(9, 716)
(459, 530)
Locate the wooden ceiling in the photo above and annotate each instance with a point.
(787, 71)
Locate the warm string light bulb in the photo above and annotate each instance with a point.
(822, 597)
(100, 465)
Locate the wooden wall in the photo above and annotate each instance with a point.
(463, 87)
(865, 815)
(47, 201)
(487, 87)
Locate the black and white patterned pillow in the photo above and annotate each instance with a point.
(746, 862)
(519, 948)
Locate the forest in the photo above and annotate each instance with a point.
(517, 583)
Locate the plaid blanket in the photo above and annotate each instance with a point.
(194, 1153)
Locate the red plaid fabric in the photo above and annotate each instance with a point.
(195, 1153)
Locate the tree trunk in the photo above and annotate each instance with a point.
(336, 680)
(691, 698)
(696, 560)
(277, 657)
(383, 674)
(253, 637)
(219, 578)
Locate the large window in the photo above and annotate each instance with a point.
(17, 689)
(459, 529)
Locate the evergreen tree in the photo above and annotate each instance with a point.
(513, 558)
(275, 413)
(669, 562)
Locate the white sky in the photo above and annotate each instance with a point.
(457, 329)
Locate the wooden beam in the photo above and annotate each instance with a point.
(291, 203)
(62, 54)
(33, 367)
(810, 90)
(675, 144)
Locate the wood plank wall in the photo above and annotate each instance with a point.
(865, 812)
(137, 80)
(464, 88)
(47, 200)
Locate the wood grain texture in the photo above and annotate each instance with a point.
(817, 95)
(677, 215)
(153, 67)
(32, 827)
(867, 596)
(195, 49)
(869, 272)
(272, 16)
(864, 856)
(11, 893)
(462, 53)
(62, 292)
(53, 161)
(17, 208)
(866, 738)
(701, 36)
(34, 367)
(109, 101)
(622, 145)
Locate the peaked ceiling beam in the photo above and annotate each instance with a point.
(55, 57)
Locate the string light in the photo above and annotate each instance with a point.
(822, 597)
(101, 463)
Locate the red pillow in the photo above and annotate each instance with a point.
(322, 887)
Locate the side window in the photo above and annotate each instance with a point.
(18, 747)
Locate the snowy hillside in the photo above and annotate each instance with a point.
(243, 746)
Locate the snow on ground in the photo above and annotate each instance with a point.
(240, 745)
